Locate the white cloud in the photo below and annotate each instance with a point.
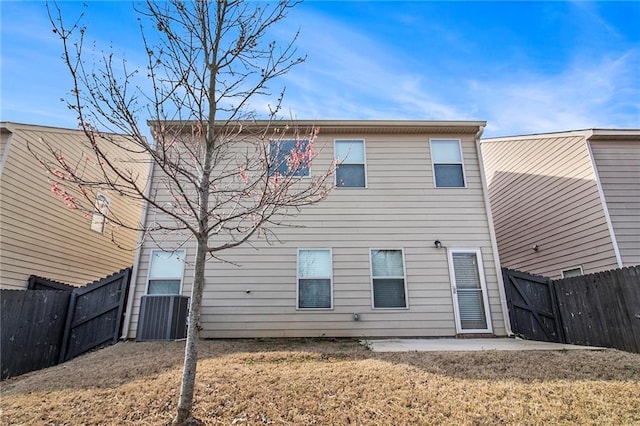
(351, 75)
(354, 73)
(587, 94)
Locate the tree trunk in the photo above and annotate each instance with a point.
(185, 406)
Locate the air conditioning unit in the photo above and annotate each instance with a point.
(163, 317)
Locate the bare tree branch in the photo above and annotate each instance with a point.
(221, 176)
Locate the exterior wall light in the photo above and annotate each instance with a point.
(437, 243)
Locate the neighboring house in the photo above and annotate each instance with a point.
(363, 262)
(39, 235)
(566, 203)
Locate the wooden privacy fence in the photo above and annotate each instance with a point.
(52, 322)
(32, 326)
(601, 309)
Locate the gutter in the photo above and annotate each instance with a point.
(136, 259)
(494, 242)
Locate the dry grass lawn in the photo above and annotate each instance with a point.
(307, 382)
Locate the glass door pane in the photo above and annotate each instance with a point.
(469, 292)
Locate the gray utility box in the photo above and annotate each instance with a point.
(163, 317)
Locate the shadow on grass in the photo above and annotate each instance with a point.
(524, 366)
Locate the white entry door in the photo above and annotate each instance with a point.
(469, 290)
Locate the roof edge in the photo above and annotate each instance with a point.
(335, 126)
(13, 126)
(591, 134)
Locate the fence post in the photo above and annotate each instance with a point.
(64, 348)
(507, 284)
(557, 312)
(126, 281)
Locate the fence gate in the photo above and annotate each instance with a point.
(95, 314)
(533, 310)
(52, 322)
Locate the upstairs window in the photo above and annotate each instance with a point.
(387, 275)
(446, 156)
(351, 167)
(314, 279)
(289, 158)
(165, 272)
(100, 211)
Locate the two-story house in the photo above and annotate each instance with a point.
(566, 203)
(41, 236)
(403, 246)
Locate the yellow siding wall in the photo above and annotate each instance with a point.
(39, 235)
(618, 164)
(399, 209)
(543, 193)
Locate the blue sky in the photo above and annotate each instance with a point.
(524, 67)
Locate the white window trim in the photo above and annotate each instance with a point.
(298, 308)
(364, 163)
(433, 164)
(184, 263)
(571, 269)
(483, 285)
(308, 176)
(404, 277)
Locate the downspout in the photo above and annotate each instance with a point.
(136, 259)
(492, 234)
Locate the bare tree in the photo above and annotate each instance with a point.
(221, 177)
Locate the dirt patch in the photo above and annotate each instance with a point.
(304, 382)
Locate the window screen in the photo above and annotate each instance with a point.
(573, 272)
(100, 212)
(285, 158)
(314, 279)
(350, 171)
(165, 272)
(447, 163)
(387, 269)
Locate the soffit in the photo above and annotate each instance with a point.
(615, 135)
(361, 127)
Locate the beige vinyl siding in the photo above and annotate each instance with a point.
(39, 235)
(618, 165)
(400, 209)
(543, 193)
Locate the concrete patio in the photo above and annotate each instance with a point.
(455, 345)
